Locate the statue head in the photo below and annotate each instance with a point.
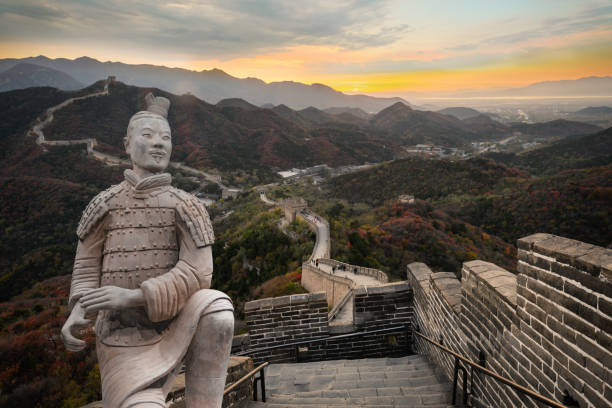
(148, 140)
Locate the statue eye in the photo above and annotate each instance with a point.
(146, 134)
(166, 137)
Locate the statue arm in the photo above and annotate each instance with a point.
(87, 264)
(85, 277)
(166, 295)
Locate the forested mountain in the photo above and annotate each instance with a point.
(413, 126)
(229, 136)
(559, 128)
(460, 113)
(503, 201)
(569, 153)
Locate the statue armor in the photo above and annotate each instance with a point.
(139, 221)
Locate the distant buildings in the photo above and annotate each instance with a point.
(406, 199)
(433, 151)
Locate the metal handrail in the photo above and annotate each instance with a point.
(473, 365)
(261, 379)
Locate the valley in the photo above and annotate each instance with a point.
(491, 184)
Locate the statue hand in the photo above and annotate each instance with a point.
(74, 321)
(112, 298)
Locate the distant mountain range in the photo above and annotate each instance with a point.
(595, 110)
(24, 75)
(212, 85)
(589, 86)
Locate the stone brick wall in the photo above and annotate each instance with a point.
(548, 329)
(285, 319)
(335, 287)
(238, 368)
(293, 318)
(565, 307)
(437, 303)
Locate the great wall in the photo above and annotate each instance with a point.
(547, 329)
(90, 143)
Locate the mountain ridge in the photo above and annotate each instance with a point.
(211, 85)
(26, 75)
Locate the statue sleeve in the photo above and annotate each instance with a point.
(87, 264)
(166, 295)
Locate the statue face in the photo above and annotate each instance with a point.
(149, 144)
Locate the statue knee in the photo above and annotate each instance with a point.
(220, 322)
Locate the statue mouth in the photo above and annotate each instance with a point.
(158, 155)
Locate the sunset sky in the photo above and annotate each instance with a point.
(379, 47)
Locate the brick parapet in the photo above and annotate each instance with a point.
(548, 329)
(437, 304)
(582, 257)
(564, 303)
(288, 319)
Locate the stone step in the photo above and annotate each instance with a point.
(365, 397)
(377, 383)
(253, 404)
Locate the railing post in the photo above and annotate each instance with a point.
(455, 379)
(255, 381)
(263, 384)
(465, 390)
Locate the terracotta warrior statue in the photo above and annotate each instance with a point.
(144, 265)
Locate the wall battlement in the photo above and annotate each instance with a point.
(548, 328)
(288, 319)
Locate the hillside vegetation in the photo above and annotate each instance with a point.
(569, 153)
(503, 201)
(465, 210)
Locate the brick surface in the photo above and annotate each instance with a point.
(554, 338)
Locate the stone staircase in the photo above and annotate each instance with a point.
(378, 382)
